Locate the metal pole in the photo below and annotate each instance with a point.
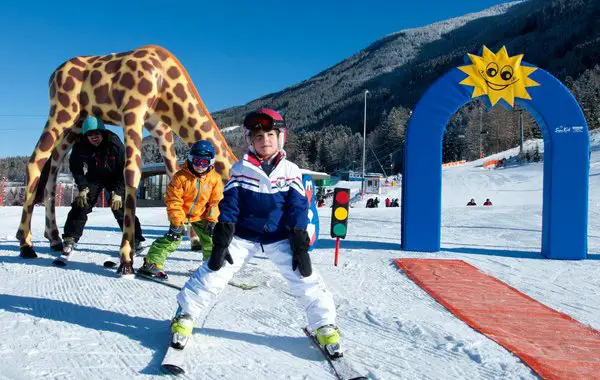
(362, 191)
(480, 133)
(521, 128)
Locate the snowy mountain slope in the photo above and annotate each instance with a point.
(82, 322)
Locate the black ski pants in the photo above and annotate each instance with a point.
(78, 216)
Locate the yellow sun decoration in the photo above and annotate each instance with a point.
(498, 76)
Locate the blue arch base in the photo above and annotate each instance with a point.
(566, 164)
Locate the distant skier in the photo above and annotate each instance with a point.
(472, 202)
(264, 209)
(388, 202)
(103, 153)
(192, 195)
(487, 202)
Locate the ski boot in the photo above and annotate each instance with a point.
(68, 245)
(139, 248)
(328, 337)
(196, 245)
(182, 326)
(154, 270)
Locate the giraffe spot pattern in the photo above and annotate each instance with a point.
(156, 62)
(59, 79)
(107, 58)
(118, 96)
(74, 72)
(63, 116)
(180, 92)
(95, 77)
(131, 64)
(162, 55)
(161, 106)
(144, 86)
(166, 119)
(63, 99)
(140, 53)
(129, 118)
(74, 107)
(84, 99)
(132, 103)
(190, 108)
(127, 81)
(173, 72)
(192, 122)
(114, 115)
(178, 112)
(69, 84)
(46, 141)
(112, 67)
(101, 94)
(135, 137)
(97, 111)
(52, 110)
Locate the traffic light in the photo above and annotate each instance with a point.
(339, 213)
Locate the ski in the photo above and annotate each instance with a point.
(341, 366)
(61, 261)
(164, 281)
(174, 360)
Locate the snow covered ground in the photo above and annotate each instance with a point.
(81, 322)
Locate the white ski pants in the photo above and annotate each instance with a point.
(204, 285)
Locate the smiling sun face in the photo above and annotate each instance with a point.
(498, 76)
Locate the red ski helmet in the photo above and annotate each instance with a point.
(266, 119)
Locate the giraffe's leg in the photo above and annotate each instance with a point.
(132, 123)
(163, 136)
(42, 152)
(62, 148)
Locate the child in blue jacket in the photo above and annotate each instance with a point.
(264, 209)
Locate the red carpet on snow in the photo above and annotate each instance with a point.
(553, 344)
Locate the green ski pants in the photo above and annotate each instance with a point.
(164, 246)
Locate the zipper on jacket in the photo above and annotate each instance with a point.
(196, 198)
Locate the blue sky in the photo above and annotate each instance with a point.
(235, 51)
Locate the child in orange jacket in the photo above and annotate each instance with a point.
(193, 194)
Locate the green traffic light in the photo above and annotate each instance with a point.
(339, 229)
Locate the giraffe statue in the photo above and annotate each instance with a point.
(143, 88)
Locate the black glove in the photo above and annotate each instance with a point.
(174, 232)
(222, 236)
(209, 228)
(300, 258)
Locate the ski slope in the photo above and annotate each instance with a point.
(82, 322)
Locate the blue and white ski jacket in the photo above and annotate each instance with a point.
(264, 208)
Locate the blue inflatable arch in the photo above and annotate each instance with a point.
(566, 164)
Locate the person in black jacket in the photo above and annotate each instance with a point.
(103, 153)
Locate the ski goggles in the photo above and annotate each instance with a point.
(264, 122)
(200, 161)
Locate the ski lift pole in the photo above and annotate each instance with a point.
(2, 191)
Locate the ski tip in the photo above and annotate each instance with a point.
(59, 263)
(172, 369)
